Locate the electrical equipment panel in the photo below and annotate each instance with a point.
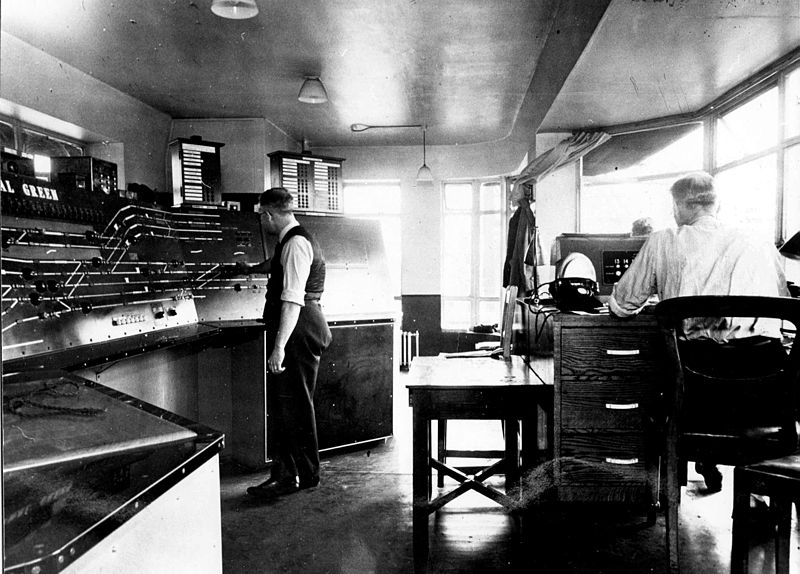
(81, 269)
(615, 263)
(195, 171)
(315, 182)
(15, 164)
(85, 173)
(610, 253)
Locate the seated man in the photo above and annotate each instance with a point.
(705, 257)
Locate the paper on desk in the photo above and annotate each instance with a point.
(476, 353)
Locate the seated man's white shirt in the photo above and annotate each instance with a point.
(704, 258)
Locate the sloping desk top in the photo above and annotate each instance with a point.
(80, 460)
(47, 437)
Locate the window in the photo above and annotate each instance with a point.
(379, 201)
(631, 178)
(792, 104)
(755, 160)
(613, 207)
(748, 195)
(473, 241)
(36, 144)
(748, 129)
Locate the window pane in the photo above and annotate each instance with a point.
(747, 195)
(791, 187)
(41, 166)
(612, 208)
(371, 198)
(491, 254)
(748, 129)
(793, 104)
(490, 313)
(7, 136)
(41, 144)
(458, 196)
(456, 314)
(456, 255)
(490, 196)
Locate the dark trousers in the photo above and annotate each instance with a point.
(295, 452)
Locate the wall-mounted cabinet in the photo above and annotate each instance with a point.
(315, 182)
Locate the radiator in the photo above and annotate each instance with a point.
(409, 348)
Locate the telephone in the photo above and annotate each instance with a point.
(575, 294)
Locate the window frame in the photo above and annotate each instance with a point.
(710, 117)
(474, 297)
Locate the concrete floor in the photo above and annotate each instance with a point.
(359, 521)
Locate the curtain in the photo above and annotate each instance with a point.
(523, 249)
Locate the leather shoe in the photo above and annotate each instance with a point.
(273, 488)
(311, 483)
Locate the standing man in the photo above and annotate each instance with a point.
(705, 257)
(296, 335)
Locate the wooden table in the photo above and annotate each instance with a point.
(474, 388)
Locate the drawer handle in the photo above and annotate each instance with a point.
(621, 460)
(622, 352)
(622, 406)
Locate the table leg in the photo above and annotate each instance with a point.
(421, 486)
(529, 437)
(441, 450)
(512, 454)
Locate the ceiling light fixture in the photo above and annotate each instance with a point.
(424, 173)
(234, 9)
(365, 127)
(312, 91)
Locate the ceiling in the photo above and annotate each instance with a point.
(470, 70)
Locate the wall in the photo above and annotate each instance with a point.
(37, 81)
(243, 159)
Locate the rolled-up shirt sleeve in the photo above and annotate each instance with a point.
(296, 260)
(637, 284)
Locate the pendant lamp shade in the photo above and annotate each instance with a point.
(424, 173)
(234, 9)
(312, 91)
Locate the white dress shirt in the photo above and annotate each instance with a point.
(703, 258)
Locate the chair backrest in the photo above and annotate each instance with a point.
(742, 392)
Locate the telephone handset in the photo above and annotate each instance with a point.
(575, 294)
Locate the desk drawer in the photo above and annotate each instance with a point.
(609, 353)
(606, 404)
(602, 458)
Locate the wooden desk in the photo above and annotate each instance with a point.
(607, 409)
(474, 388)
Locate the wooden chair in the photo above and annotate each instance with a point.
(780, 480)
(716, 413)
